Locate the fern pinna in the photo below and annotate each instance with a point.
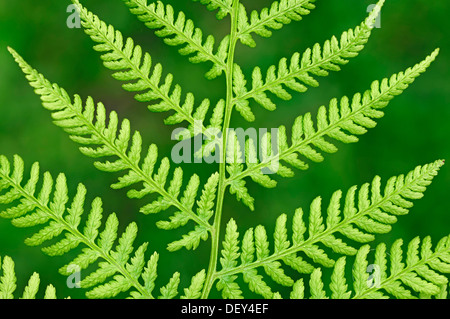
(304, 243)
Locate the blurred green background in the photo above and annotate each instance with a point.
(414, 131)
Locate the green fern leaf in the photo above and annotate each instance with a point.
(180, 31)
(170, 290)
(86, 125)
(316, 285)
(230, 289)
(117, 273)
(419, 276)
(8, 279)
(302, 68)
(343, 121)
(298, 290)
(195, 289)
(280, 13)
(129, 64)
(358, 220)
(112, 261)
(338, 284)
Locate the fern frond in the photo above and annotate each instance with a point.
(342, 121)
(118, 271)
(365, 212)
(134, 67)
(8, 282)
(279, 14)
(180, 31)
(302, 68)
(87, 125)
(224, 6)
(419, 275)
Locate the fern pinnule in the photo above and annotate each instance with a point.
(181, 32)
(342, 121)
(195, 289)
(118, 272)
(365, 212)
(302, 68)
(8, 282)
(86, 125)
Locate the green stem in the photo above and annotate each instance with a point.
(210, 278)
